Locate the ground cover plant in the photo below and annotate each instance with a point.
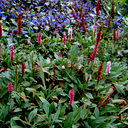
(63, 64)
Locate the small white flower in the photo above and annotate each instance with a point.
(63, 67)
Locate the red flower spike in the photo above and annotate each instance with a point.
(83, 25)
(81, 14)
(94, 52)
(19, 23)
(97, 8)
(99, 35)
(112, 10)
(74, 15)
(99, 72)
(109, 22)
(114, 35)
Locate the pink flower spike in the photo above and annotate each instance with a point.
(26, 119)
(108, 67)
(71, 96)
(117, 34)
(29, 38)
(70, 33)
(0, 30)
(12, 52)
(64, 37)
(10, 87)
(39, 38)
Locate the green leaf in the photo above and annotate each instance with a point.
(32, 114)
(46, 107)
(62, 100)
(17, 110)
(69, 120)
(18, 99)
(108, 94)
(51, 107)
(17, 118)
(123, 109)
(11, 104)
(4, 111)
(120, 88)
(86, 125)
(3, 92)
(42, 77)
(74, 106)
(26, 83)
(56, 115)
(96, 112)
(72, 78)
(16, 126)
(30, 89)
(89, 95)
(5, 28)
(83, 113)
(103, 118)
(77, 114)
(13, 21)
(74, 51)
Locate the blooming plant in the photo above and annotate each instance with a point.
(63, 64)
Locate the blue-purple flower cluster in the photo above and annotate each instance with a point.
(55, 14)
